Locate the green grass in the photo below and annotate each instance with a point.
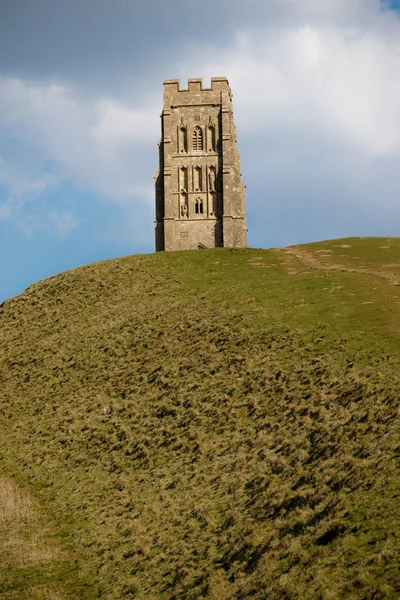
(213, 424)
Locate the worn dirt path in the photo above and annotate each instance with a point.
(309, 259)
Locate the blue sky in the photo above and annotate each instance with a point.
(316, 88)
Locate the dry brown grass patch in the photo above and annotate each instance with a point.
(23, 536)
(15, 504)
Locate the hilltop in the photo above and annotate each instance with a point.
(210, 424)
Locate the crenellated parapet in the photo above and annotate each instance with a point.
(218, 84)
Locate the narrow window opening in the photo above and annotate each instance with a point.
(198, 207)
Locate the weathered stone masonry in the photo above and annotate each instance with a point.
(200, 196)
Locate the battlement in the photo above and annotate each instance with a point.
(218, 84)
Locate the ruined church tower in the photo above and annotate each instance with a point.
(200, 196)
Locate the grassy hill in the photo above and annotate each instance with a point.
(214, 424)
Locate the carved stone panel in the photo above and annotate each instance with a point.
(184, 208)
(197, 179)
(212, 179)
(183, 179)
(211, 138)
(183, 193)
(182, 138)
(213, 204)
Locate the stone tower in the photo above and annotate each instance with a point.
(200, 196)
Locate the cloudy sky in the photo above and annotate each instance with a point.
(316, 87)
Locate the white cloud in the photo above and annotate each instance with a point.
(5, 211)
(96, 143)
(341, 80)
(20, 184)
(52, 223)
(64, 222)
(117, 123)
(21, 188)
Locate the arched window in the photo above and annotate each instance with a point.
(198, 139)
(198, 207)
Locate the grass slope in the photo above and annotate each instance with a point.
(214, 424)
